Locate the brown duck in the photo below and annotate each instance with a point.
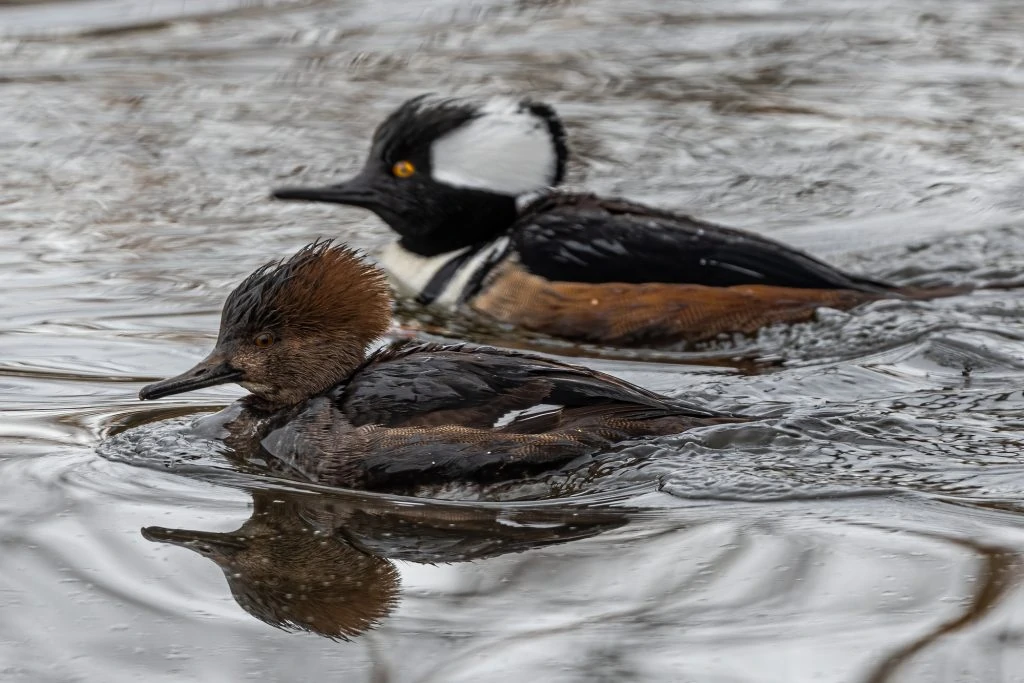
(296, 335)
(323, 562)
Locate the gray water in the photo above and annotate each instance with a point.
(868, 529)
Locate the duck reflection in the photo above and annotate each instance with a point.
(287, 573)
(322, 563)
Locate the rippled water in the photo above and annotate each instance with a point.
(869, 529)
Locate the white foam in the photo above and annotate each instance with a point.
(507, 149)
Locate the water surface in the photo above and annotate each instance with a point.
(869, 529)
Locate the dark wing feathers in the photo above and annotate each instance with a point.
(428, 385)
(583, 238)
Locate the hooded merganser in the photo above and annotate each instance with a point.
(322, 562)
(454, 177)
(295, 334)
(289, 574)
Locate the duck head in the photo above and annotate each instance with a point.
(445, 172)
(293, 328)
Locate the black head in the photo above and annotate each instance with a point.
(445, 172)
(293, 328)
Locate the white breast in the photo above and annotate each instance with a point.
(411, 273)
(465, 275)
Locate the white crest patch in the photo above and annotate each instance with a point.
(506, 149)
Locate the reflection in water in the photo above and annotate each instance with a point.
(286, 573)
(999, 573)
(321, 563)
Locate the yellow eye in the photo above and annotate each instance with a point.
(403, 169)
(263, 340)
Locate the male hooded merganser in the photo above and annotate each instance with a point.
(452, 176)
(296, 333)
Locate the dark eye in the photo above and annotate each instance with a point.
(263, 340)
(403, 169)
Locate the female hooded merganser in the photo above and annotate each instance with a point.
(323, 562)
(449, 176)
(296, 333)
(288, 573)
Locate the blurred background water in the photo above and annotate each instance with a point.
(868, 530)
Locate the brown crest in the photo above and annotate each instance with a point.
(323, 287)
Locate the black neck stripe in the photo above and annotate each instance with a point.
(435, 287)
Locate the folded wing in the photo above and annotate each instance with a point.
(583, 238)
(431, 385)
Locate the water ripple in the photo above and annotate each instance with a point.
(866, 528)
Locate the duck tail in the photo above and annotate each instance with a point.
(937, 292)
